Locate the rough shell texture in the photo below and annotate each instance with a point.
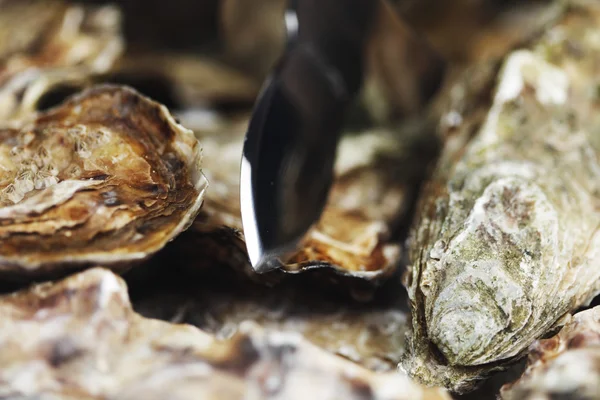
(507, 237)
(48, 43)
(566, 366)
(369, 195)
(376, 173)
(107, 177)
(79, 339)
(219, 300)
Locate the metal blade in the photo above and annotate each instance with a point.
(288, 156)
(290, 146)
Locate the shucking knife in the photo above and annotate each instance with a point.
(290, 145)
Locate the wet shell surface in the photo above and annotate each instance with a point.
(107, 177)
(566, 366)
(507, 238)
(45, 44)
(80, 339)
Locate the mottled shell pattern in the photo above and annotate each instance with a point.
(107, 177)
(81, 339)
(565, 366)
(507, 241)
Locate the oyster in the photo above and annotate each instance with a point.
(49, 43)
(377, 172)
(507, 237)
(108, 177)
(566, 366)
(79, 339)
(219, 300)
(468, 31)
(370, 194)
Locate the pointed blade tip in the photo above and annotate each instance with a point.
(266, 264)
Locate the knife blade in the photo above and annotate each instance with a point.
(290, 145)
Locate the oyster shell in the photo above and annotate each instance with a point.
(565, 366)
(507, 237)
(219, 300)
(79, 339)
(49, 43)
(377, 171)
(370, 194)
(108, 177)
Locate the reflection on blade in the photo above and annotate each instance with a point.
(288, 156)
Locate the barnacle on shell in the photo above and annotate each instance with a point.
(108, 176)
(508, 233)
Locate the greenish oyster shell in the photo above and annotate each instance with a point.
(565, 366)
(507, 237)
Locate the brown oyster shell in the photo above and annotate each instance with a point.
(79, 339)
(108, 176)
(507, 237)
(49, 43)
(565, 366)
(370, 194)
(377, 171)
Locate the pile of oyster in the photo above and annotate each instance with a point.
(455, 256)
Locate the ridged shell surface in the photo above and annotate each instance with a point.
(507, 240)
